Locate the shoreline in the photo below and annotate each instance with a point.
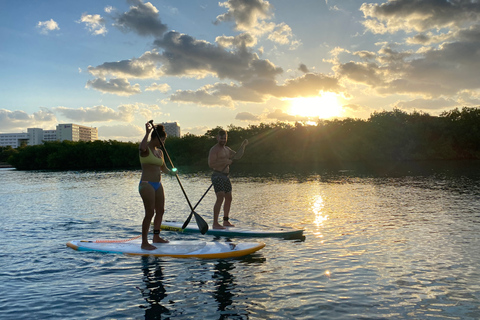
(5, 165)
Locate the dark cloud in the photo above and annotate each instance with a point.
(308, 85)
(119, 86)
(201, 97)
(419, 15)
(143, 67)
(142, 18)
(427, 104)
(246, 116)
(185, 55)
(303, 68)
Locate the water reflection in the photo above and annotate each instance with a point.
(154, 291)
(317, 208)
(224, 283)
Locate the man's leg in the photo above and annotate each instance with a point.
(226, 210)
(216, 210)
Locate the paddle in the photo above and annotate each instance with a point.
(185, 224)
(202, 224)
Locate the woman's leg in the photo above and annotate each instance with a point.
(159, 210)
(148, 196)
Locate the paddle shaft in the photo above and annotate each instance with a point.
(176, 175)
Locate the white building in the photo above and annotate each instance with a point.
(35, 136)
(13, 139)
(75, 132)
(172, 129)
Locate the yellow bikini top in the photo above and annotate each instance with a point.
(151, 159)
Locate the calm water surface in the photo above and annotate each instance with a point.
(400, 244)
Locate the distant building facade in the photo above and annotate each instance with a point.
(172, 129)
(36, 136)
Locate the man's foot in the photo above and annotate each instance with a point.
(148, 246)
(157, 239)
(217, 226)
(226, 222)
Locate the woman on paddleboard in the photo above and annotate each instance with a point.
(150, 187)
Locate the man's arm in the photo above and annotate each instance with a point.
(239, 154)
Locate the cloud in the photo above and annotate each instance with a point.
(94, 23)
(282, 34)
(143, 67)
(280, 115)
(444, 70)
(47, 26)
(307, 85)
(163, 87)
(142, 18)
(20, 120)
(201, 97)
(185, 55)
(246, 14)
(419, 15)
(246, 116)
(303, 68)
(118, 86)
(240, 41)
(121, 132)
(219, 94)
(198, 130)
(100, 113)
(429, 104)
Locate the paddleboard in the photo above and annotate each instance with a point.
(175, 249)
(284, 232)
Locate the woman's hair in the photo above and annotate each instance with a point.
(160, 129)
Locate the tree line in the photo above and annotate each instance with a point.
(385, 136)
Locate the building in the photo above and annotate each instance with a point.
(75, 132)
(14, 140)
(172, 129)
(36, 136)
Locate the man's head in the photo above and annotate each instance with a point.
(222, 137)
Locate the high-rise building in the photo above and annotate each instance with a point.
(75, 132)
(172, 129)
(35, 136)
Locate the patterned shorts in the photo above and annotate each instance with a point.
(221, 182)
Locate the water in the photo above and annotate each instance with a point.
(390, 245)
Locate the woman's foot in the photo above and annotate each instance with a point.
(148, 246)
(157, 239)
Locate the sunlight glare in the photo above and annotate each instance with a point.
(324, 106)
(317, 208)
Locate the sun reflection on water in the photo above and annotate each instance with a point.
(320, 216)
(317, 208)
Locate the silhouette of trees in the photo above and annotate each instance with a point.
(385, 136)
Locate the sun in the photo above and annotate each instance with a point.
(324, 106)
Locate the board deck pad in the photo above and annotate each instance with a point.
(176, 249)
(282, 232)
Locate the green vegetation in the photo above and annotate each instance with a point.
(385, 136)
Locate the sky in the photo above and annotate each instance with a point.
(116, 64)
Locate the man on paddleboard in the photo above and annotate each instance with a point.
(220, 158)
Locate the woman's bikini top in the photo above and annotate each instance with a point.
(151, 159)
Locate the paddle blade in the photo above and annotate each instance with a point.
(185, 224)
(201, 223)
